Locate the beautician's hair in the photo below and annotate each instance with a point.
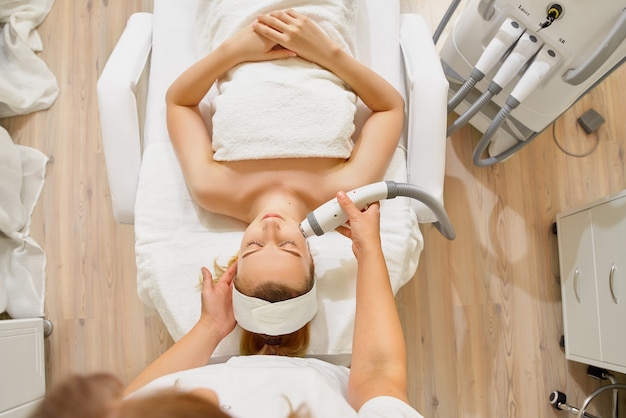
(170, 404)
(294, 344)
(100, 395)
(89, 396)
(173, 404)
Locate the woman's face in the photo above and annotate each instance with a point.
(274, 250)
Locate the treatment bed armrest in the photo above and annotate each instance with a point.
(427, 94)
(119, 118)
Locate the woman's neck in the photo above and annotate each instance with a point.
(280, 200)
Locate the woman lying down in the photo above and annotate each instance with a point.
(270, 290)
(275, 269)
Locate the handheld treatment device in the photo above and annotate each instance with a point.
(330, 215)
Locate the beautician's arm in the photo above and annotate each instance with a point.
(196, 347)
(378, 347)
(189, 135)
(381, 132)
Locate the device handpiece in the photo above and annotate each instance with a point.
(544, 61)
(330, 215)
(525, 48)
(508, 33)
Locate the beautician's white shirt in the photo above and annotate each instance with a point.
(259, 386)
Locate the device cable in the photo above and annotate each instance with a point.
(543, 62)
(570, 153)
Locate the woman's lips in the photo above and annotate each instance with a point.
(272, 215)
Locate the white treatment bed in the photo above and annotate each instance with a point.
(174, 237)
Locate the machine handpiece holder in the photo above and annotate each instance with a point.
(330, 215)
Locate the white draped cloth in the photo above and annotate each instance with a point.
(26, 82)
(22, 261)
(26, 85)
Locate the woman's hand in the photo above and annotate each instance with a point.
(217, 303)
(250, 46)
(364, 226)
(297, 33)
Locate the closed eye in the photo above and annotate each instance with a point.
(287, 245)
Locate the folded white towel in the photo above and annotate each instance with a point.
(285, 108)
(26, 82)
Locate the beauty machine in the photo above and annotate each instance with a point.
(515, 66)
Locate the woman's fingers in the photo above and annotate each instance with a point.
(347, 205)
(227, 277)
(293, 14)
(273, 22)
(206, 275)
(229, 274)
(344, 230)
(286, 17)
(281, 21)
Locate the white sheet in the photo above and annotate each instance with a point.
(26, 83)
(173, 242)
(22, 261)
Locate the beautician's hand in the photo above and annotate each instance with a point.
(364, 226)
(297, 33)
(251, 46)
(217, 303)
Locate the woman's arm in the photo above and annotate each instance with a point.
(188, 133)
(381, 132)
(378, 348)
(196, 347)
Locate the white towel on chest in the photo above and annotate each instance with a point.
(285, 108)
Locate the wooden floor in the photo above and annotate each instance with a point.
(482, 317)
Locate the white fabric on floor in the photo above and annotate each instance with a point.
(22, 261)
(26, 83)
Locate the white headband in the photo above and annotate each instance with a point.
(278, 318)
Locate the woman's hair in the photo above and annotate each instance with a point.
(100, 396)
(294, 344)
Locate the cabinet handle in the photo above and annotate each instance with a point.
(611, 279)
(576, 274)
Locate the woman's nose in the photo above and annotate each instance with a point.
(271, 224)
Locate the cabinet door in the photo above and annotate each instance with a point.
(22, 375)
(578, 287)
(609, 232)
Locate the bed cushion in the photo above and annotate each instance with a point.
(174, 237)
